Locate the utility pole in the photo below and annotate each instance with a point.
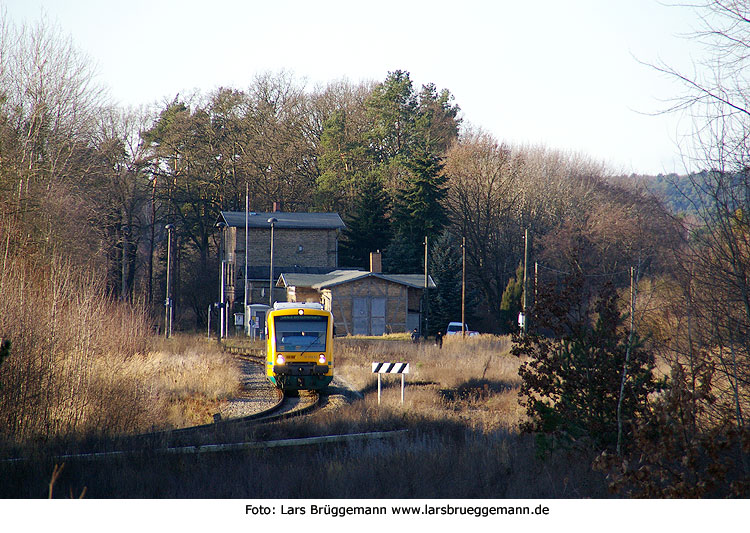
(536, 280)
(525, 278)
(222, 306)
(221, 226)
(168, 299)
(271, 221)
(632, 299)
(152, 178)
(633, 295)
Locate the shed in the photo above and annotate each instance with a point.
(362, 302)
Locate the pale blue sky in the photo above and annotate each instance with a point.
(561, 74)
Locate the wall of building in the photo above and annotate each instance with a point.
(301, 247)
(303, 295)
(307, 248)
(347, 298)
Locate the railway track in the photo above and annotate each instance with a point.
(242, 414)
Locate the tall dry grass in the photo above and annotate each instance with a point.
(68, 344)
(81, 363)
(461, 414)
(473, 379)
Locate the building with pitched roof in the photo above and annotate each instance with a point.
(303, 242)
(305, 269)
(362, 302)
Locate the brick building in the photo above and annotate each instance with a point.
(362, 302)
(302, 243)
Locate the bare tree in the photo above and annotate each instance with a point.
(49, 101)
(715, 280)
(481, 196)
(715, 96)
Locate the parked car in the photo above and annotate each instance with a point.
(455, 328)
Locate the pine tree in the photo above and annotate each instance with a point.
(510, 303)
(445, 269)
(418, 212)
(341, 164)
(571, 385)
(392, 108)
(367, 229)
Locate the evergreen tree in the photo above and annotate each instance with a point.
(367, 229)
(392, 108)
(445, 269)
(341, 163)
(404, 254)
(510, 303)
(417, 212)
(571, 385)
(437, 119)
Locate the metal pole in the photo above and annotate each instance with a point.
(167, 300)
(463, 287)
(426, 292)
(271, 221)
(378, 389)
(208, 329)
(270, 281)
(244, 309)
(525, 277)
(402, 389)
(536, 281)
(632, 299)
(153, 240)
(221, 303)
(222, 226)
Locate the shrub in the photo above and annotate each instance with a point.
(571, 385)
(683, 449)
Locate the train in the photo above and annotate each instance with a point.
(299, 346)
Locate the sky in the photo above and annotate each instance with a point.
(568, 75)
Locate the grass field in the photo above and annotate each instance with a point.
(461, 415)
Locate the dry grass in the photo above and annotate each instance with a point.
(473, 380)
(81, 363)
(191, 376)
(461, 414)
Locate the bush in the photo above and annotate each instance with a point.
(68, 341)
(683, 449)
(571, 386)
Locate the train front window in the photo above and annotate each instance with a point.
(301, 333)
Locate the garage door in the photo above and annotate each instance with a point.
(377, 316)
(368, 316)
(361, 316)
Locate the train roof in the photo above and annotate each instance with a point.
(297, 305)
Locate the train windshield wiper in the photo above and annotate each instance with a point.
(315, 339)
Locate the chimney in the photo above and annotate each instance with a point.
(276, 207)
(375, 264)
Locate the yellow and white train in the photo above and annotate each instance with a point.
(299, 346)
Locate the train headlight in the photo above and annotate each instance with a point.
(280, 359)
(322, 359)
